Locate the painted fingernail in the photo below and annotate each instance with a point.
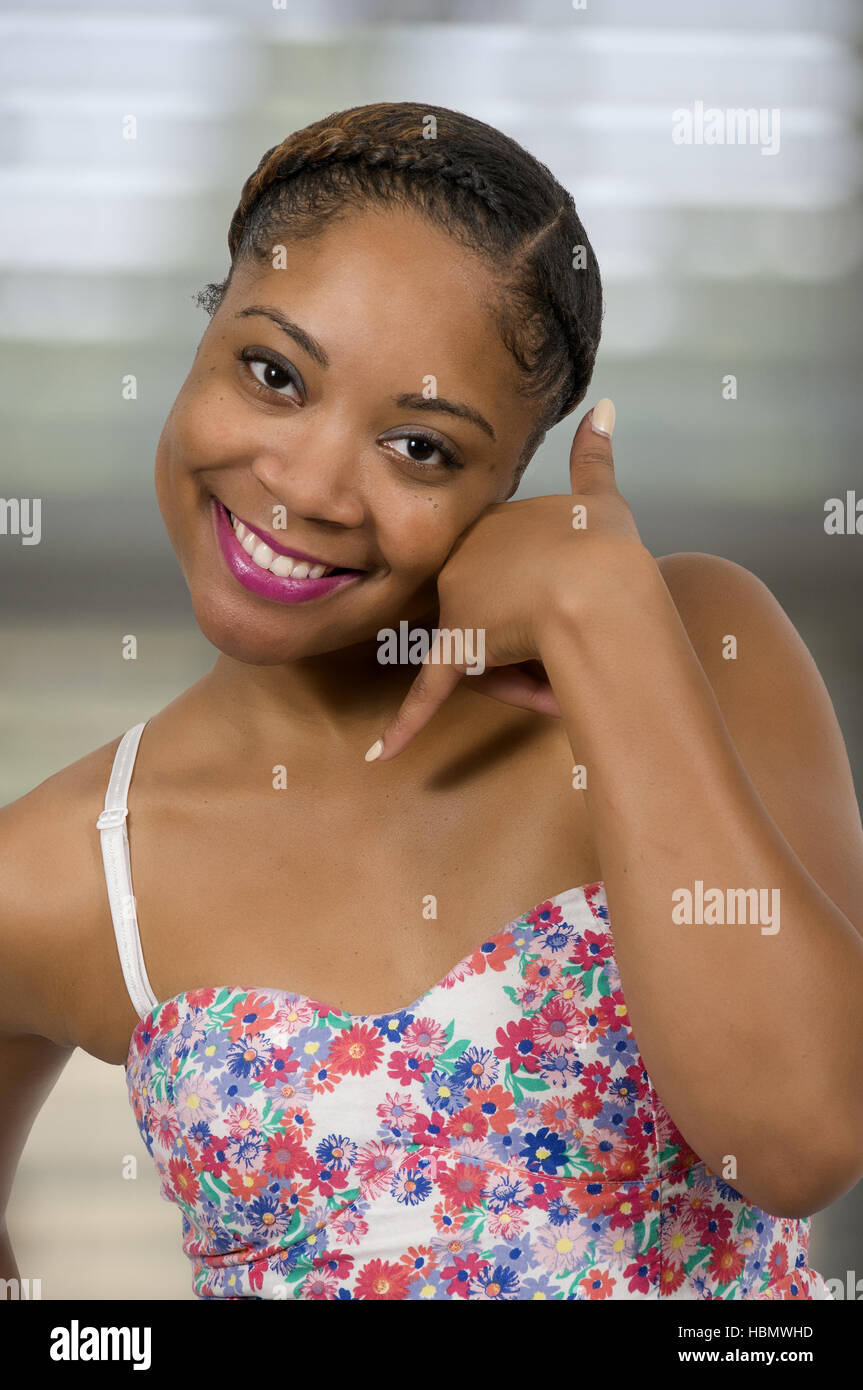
(375, 751)
(602, 417)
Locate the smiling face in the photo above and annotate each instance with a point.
(356, 410)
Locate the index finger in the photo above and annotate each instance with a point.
(434, 684)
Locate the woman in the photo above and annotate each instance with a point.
(648, 832)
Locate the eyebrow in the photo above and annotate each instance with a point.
(410, 400)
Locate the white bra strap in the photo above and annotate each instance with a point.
(118, 873)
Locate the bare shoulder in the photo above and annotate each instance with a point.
(779, 714)
(53, 902)
(745, 640)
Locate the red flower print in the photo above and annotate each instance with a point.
(544, 915)
(214, 1155)
(246, 1185)
(558, 1114)
(459, 1274)
(726, 1261)
(282, 1063)
(493, 954)
(613, 1012)
(200, 998)
(336, 1181)
(546, 974)
(285, 1156)
(794, 1285)
(639, 1129)
(778, 1261)
(425, 1037)
(627, 1164)
(467, 1123)
(557, 1026)
(251, 1014)
(591, 1022)
(297, 1196)
(183, 1180)
(596, 1283)
(381, 1279)
(592, 949)
(671, 1276)
(448, 1223)
(587, 1102)
(642, 1273)
(626, 1207)
(321, 1079)
(544, 1190)
(462, 1186)
(430, 1129)
(337, 1262)
(516, 1045)
(297, 1121)
(598, 1075)
(714, 1223)
(418, 1260)
(374, 1167)
(168, 1018)
(405, 1068)
(321, 1284)
(496, 1105)
(356, 1051)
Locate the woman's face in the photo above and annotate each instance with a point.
(315, 413)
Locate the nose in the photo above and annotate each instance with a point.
(315, 475)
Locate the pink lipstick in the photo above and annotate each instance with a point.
(261, 581)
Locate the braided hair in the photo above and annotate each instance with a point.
(475, 183)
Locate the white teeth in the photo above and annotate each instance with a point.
(263, 555)
(285, 566)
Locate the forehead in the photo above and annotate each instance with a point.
(389, 294)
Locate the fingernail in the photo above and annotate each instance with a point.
(375, 751)
(602, 417)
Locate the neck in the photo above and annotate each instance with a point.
(337, 697)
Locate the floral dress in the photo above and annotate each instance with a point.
(499, 1139)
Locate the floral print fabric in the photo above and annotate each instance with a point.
(497, 1139)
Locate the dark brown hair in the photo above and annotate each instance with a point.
(469, 179)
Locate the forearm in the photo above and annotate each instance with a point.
(752, 1039)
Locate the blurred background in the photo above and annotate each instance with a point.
(716, 260)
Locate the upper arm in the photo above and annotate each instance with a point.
(50, 902)
(29, 1067)
(779, 715)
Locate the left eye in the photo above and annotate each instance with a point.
(447, 458)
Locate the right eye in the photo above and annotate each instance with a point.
(270, 376)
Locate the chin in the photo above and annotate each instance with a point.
(244, 633)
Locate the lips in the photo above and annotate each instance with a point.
(271, 570)
(265, 549)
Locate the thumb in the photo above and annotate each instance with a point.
(591, 462)
(434, 684)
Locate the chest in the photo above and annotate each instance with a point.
(363, 902)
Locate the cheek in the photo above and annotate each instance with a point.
(416, 533)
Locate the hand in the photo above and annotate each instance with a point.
(517, 563)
